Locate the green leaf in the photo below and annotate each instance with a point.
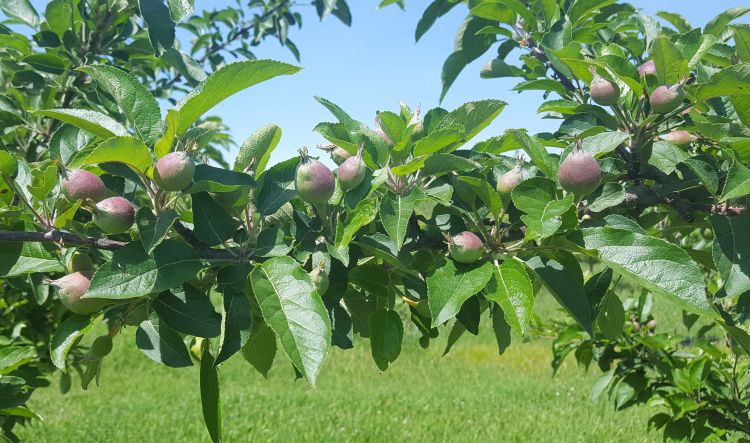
(22, 412)
(547, 10)
(94, 122)
(188, 312)
(132, 97)
(665, 156)
(611, 316)
(277, 186)
(127, 150)
(600, 144)
(469, 45)
(383, 247)
(159, 24)
(742, 41)
(493, 10)
(273, 242)
(741, 105)
(66, 141)
(14, 392)
(607, 196)
(337, 112)
(63, 218)
(737, 182)
(671, 65)
(501, 328)
(237, 317)
(257, 148)
(161, 344)
(697, 49)
(731, 251)
(544, 84)
(585, 8)
(20, 10)
(8, 119)
(739, 335)
(362, 215)
(393, 126)
(512, 289)
(17, 258)
(153, 229)
(293, 309)
(473, 117)
(653, 263)
(224, 82)
(718, 24)
(395, 212)
(237, 324)
(342, 12)
(560, 106)
(48, 63)
(339, 134)
(217, 180)
(260, 348)
(621, 222)
(386, 334)
(341, 322)
(44, 177)
(705, 172)
(324, 7)
(185, 65)
(435, 10)
(438, 140)
(545, 214)
(557, 215)
(733, 80)
(437, 164)
(133, 273)
(562, 278)
(452, 284)
(233, 278)
(411, 166)
(676, 20)
(59, 15)
(13, 357)
(385, 3)
(486, 192)
(179, 9)
(210, 401)
(536, 151)
(164, 144)
(213, 225)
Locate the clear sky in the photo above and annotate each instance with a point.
(375, 63)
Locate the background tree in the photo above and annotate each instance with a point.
(38, 70)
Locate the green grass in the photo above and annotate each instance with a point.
(471, 394)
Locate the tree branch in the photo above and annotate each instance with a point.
(70, 239)
(57, 236)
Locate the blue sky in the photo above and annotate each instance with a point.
(375, 63)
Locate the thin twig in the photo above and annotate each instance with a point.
(62, 237)
(57, 236)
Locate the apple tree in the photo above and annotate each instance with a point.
(669, 104)
(119, 217)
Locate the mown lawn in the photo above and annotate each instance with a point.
(472, 394)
